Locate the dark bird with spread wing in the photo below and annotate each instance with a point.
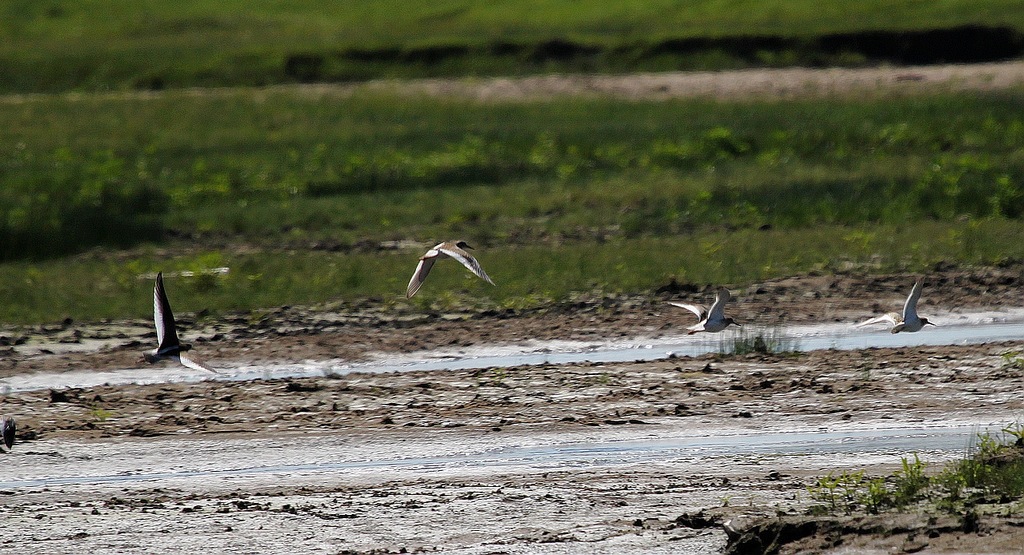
(168, 346)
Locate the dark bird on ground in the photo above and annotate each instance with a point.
(8, 428)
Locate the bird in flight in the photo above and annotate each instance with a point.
(168, 346)
(712, 320)
(907, 321)
(448, 249)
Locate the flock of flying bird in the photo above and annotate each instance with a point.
(711, 319)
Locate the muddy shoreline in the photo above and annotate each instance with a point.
(673, 506)
(172, 435)
(351, 331)
(837, 386)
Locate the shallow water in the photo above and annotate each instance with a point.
(952, 329)
(119, 462)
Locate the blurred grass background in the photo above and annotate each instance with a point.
(55, 45)
(305, 193)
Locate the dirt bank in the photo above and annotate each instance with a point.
(925, 383)
(726, 85)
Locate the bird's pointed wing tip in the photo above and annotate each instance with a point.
(695, 309)
(195, 363)
(885, 318)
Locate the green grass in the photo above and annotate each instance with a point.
(387, 22)
(284, 168)
(750, 339)
(991, 473)
(560, 197)
(526, 276)
(96, 45)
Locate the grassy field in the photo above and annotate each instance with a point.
(93, 45)
(279, 168)
(301, 191)
(560, 197)
(98, 286)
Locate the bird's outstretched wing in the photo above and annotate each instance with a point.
(166, 335)
(699, 311)
(422, 269)
(910, 307)
(892, 319)
(189, 360)
(467, 260)
(717, 311)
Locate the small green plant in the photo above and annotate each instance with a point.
(876, 497)
(992, 469)
(909, 482)
(749, 340)
(824, 492)
(839, 492)
(1016, 431)
(849, 492)
(100, 414)
(494, 377)
(1013, 360)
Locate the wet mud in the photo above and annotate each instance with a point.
(355, 331)
(527, 459)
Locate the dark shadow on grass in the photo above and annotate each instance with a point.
(962, 44)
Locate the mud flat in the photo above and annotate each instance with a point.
(588, 458)
(645, 456)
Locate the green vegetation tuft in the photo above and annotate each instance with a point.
(1013, 360)
(991, 473)
(749, 340)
